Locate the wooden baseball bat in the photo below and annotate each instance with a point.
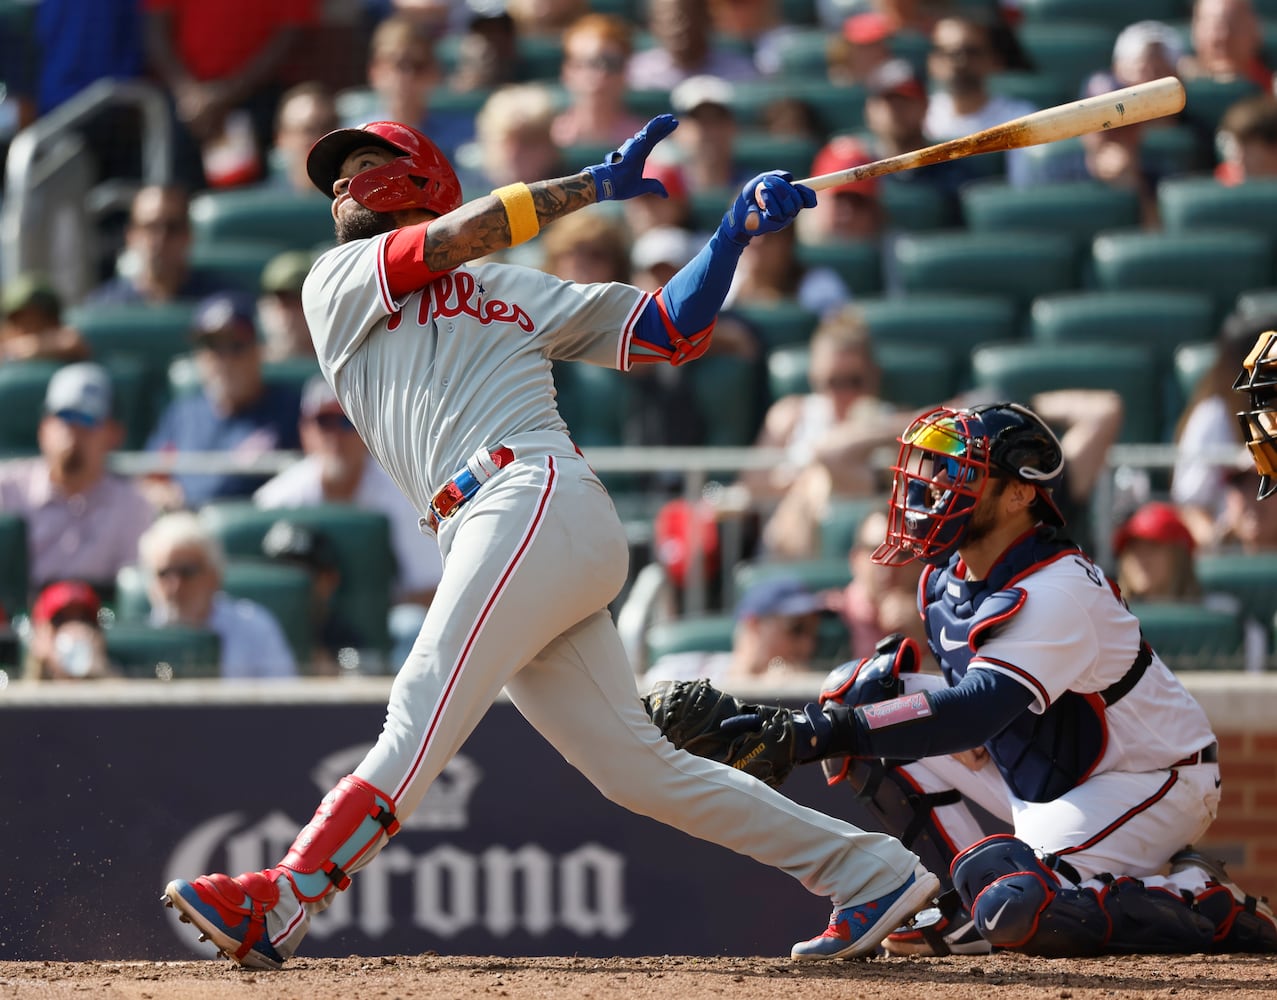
(1126, 106)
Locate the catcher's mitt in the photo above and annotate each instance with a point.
(759, 739)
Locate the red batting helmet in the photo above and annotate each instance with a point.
(421, 176)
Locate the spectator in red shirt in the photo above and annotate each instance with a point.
(221, 64)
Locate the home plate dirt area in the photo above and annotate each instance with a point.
(986, 977)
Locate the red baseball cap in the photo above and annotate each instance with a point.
(58, 597)
(841, 153)
(669, 174)
(868, 28)
(1156, 521)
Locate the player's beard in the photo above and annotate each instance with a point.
(984, 515)
(361, 223)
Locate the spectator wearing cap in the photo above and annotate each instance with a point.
(1154, 552)
(650, 211)
(850, 212)
(234, 411)
(82, 521)
(338, 469)
(774, 639)
(31, 326)
(658, 253)
(684, 47)
(332, 640)
(284, 332)
(596, 49)
(1145, 51)
(66, 641)
(860, 47)
(183, 563)
(154, 265)
(707, 134)
(963, 55)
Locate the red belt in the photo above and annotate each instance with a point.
(460, 488)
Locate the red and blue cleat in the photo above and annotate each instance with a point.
(857, 931)
(230, 912)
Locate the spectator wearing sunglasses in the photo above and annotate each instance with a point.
(774, 638)
(66, 639)
(82, 522)
(338, 469)
(827, 434)
(596, 49)
(233, 410)
(183, 563)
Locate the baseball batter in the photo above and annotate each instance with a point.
(445, 370)
(1053, 714)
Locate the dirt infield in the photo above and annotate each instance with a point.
(1008, 977)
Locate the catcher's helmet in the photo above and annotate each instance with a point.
(945, 459)
(421, 177)
(1259, 422)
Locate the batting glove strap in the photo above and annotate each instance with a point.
(773, 198)
(620, 175)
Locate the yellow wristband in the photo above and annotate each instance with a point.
(519, 209)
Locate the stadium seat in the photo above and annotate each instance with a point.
(360, 537)
(174, 652)
(234, 263)
(648, 103)
(1186, 203)
(952, 324)
(1189, 636)
(539, 57)
(155, 333)
(291, 372)
(284, 220)
(1169, 150)
(817, 574)
(804, 53)
(840, 107)
(13, 564)
(1020, 266)
(914, 378)
(758, 151)
(22, 388)
(1040, 90)
(1222, 263)
(284, 590)
(916, 206)
(726, 391)
(779, 324)
(1249, 577)
(841, 522)
(1018, 370)
(709, 634)
(1070, 52)
(1189, 363)
(1078, 209)
(1102, 12)
(1206, 99)
(594, 402)
(859, 264)
(1161, 320)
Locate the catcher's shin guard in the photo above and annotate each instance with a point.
(258, 919)
(1019, 903)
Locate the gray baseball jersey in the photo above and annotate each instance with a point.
(433, 383)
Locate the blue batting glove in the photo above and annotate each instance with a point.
(772, 199)
(620, 175)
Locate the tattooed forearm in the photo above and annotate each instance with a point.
(481, 227)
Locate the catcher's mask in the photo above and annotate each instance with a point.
(420, 176)
(1259, 422)
(945, 462)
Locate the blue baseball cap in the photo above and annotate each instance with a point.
(781, 595)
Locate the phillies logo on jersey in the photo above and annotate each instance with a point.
(458, 293)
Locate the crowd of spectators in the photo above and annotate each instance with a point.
(519, 91)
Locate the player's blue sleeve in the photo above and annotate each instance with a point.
(962, 717)
(678, 320)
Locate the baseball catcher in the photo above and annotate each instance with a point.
(1052, 714)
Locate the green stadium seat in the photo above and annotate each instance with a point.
(798, 12)
(170, 653)
(364, 555)
(1019, 370)
(1060, 159)
(135, 405)
(726, 391)
(1020, 266)
(1249, 577)
(539, 57)
(234, 263)
(1041, 90)
(1207, 99)
(913, 378)
(952, 323)
(709, 634)
(859, 264)
(758, 151)
(156, 333)
(1169, 150)
(1189, 636)
(1189, 364)
(285, 221)
(1070, 52)
(1078, 209)
(1161, 320)
(1102, 12)
(292, 372)
(841, 522)
(22, 388)
(594, 402)
(1223, 263)
(817, 574)
(1186, 203)
(14, 581)
(912, 46)
(284, 590)
(840, 107)
(804, 53)
(779, 324)
(916, 207)
(648, 103)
